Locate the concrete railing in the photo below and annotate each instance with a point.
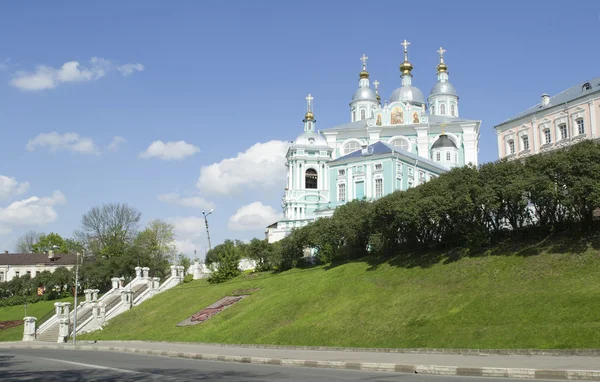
(93, 312)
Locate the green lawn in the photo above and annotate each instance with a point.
(17, 312)
(531, 299)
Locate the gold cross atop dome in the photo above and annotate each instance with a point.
(441, 51)
(309, 116)
(364, 59)
(442, 67)
(406, 66)
(363, 72)
(309, 98)
(376, 83)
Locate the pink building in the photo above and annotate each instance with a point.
(558, 121)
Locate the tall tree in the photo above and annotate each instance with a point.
(155, 248)
(26, 242)
(109, 229)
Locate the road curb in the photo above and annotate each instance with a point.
(532, 352)
(513, 373)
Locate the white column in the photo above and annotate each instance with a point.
(592, 118)
(88, 295)
(138, 272)
(29, 328)
(298, 184)
(95, 294)
(145, 272)
(63, 330)
(535, 137)
(368, 181)
(422, 142)
(173, 271)
(350, 185)
(115, 282)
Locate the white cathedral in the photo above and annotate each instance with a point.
(383, 149)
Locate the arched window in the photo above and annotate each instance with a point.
(438, 157)
(310, 179)
(586, 86)
(432, 109)
(353, 115)
(372, 113)
(453, 110)
(401, 143)
(362, 114)
(350, 147)
(447, 156)
(442, 109)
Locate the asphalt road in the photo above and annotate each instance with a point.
(71, 365)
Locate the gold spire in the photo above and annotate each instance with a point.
(442, 67)
(406, 66)
(363, 72)
(376, 83)
(443, 125)
(309, 116)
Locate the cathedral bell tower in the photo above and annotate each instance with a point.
(307, 175)
(364, 101)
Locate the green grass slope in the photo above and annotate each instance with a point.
(523, 300)
(17, 312)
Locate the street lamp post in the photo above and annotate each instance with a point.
(75, 309)
(206, 223)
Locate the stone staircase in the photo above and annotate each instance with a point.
(116, 301)
(50, 334)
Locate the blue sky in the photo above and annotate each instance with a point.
(211, 79)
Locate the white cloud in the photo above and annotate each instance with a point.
(190, 235)
(34, 211)
(128, 69)
(116, 143)
(261, 166)
(192, 201)
(10, 187)
(253, 216)
(46, 77)
(169, 150)
(68, 141)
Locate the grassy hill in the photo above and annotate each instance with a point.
(543, 295)
(17, 312)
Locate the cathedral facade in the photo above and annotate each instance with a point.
(384, 148)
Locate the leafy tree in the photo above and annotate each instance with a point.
(50, 242)
(154, 248)
(227, 266)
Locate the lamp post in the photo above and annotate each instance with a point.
(206, 223)
(75, 310)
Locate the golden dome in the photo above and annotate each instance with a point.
(406, 67)
(364, 74)
(309, 116)
(442, 67)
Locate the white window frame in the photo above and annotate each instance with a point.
(525, 142)
(346, 143)
(380, 167)
(345, 194)
(547, 137)
(410, 171)
(448, 156)
(563, 128)
(511, 146)
(442, 109)
(376, 180)
(403, 138)
(580, 126)
(342, 172)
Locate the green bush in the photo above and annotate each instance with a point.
(188, 278)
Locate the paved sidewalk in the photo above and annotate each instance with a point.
(510, 366)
